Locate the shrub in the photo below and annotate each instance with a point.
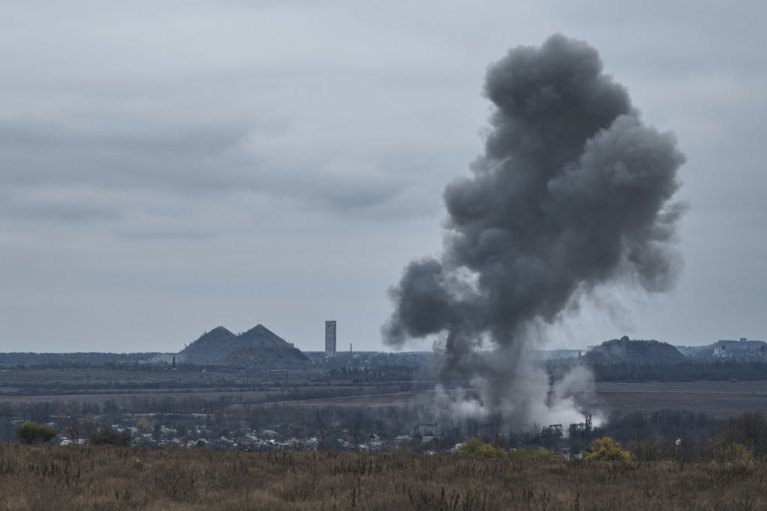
(606, 449)
(723, 450)
(110, 436)
(523, 454)
(646, 450)
(750, 430)
(33, 433)
(476, 448)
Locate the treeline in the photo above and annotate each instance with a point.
(383, 373)
(84, 359)
(353, 371)
(715, 370)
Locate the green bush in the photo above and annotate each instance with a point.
(476, 448)
(606, 449)
(34, 433)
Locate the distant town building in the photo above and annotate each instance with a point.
(743, 348)
(330, 338)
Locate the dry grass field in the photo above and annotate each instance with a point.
(719, 399)
(102, 478)
(716, 399)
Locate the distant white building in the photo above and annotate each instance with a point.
(740, 349)
(330, 338)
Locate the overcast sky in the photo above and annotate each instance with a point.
(170, 166)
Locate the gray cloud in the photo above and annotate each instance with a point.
(295, 135)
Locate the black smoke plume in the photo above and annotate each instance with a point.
(572, 192)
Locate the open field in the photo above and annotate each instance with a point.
(717, 399)
(103, 478)
(265, 394)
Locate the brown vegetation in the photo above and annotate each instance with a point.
(112, 478)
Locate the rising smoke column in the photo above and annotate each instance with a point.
(572, 192)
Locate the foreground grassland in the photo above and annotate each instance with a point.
(105, 478)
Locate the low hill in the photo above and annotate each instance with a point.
(624, 350)
(209, 347)
(258, 347)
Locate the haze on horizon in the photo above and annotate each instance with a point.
(167, 167)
